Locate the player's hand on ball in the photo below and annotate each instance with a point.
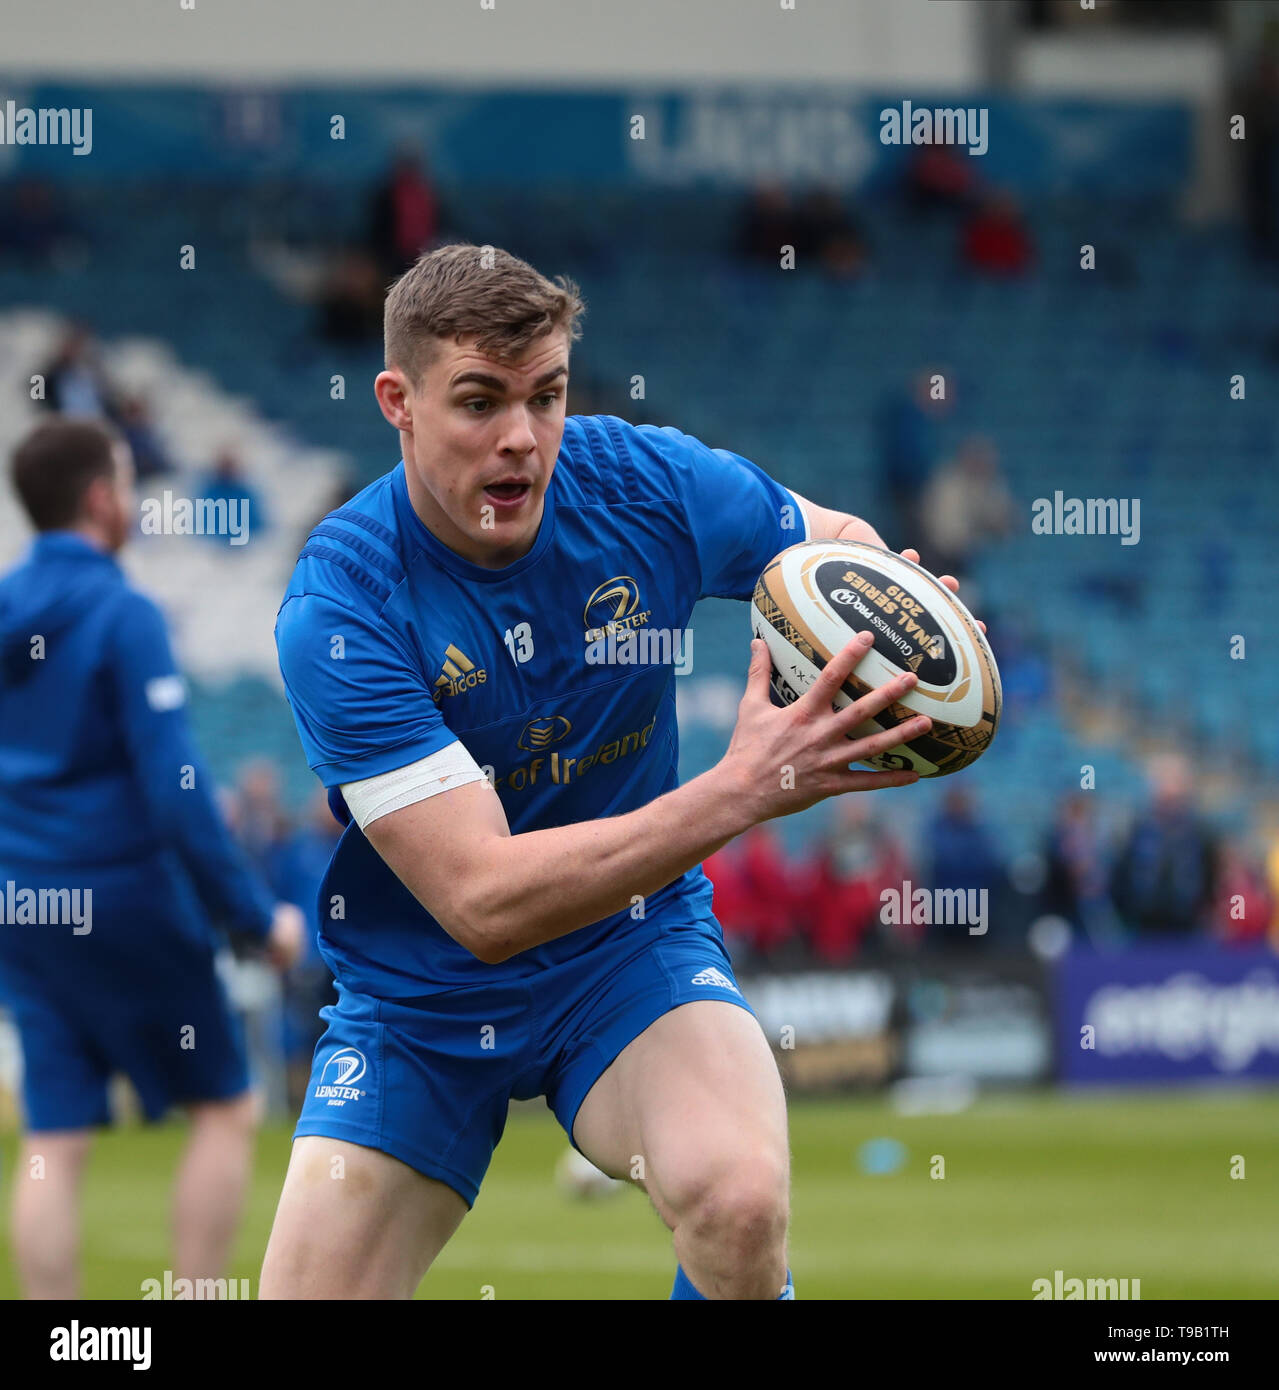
(787, 759)
(288, 933)
(948, 580)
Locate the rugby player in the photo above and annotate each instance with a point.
(516, 907)
(105, 807)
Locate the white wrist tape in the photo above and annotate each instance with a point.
(440, 772)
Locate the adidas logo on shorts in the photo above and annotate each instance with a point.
(711, 976)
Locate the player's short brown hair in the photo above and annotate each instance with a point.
(461, 291)
(55, 463)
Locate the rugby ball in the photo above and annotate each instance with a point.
(813, 598)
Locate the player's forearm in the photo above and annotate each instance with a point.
(548, 883)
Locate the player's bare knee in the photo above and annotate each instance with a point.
(67, 1145)
(744, 1212)
(61, 1155)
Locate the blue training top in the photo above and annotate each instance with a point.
(97, 765)
(392, 647)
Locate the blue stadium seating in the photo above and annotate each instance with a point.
(1114, 382)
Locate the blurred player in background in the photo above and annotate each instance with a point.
(544, 929)
(111, 852)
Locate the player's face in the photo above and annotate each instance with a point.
(484, 439)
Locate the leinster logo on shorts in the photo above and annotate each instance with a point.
(339, 1075)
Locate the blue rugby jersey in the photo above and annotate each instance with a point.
(392, 646)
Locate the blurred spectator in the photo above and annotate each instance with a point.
(258, 819)
(964, 505)
(150, 460)
(905, 433)
(1244, 908)
(724, 869)
(1270, 862)
(350, 301)
(844, 882)
(1257, 101)
(74, 383)
(1075, 885)
(753, 899)
(939, 178)
(825, 232)
(963, 856)
(767, 223)
(1165, 880)
(405, 217)
(226, 482)
(996, 240)
(770, 909)
(36, 228)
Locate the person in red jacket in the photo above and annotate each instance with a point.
(724, 869)
(859, 859)
(770, 910)
(754, 900)
(1243, 906)
(405, 215)
(996, 240)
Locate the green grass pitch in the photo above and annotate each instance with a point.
(1127, 1185)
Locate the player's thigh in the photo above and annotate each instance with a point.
(354, 1222)
(698, 1099)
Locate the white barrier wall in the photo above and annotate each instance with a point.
(524, 42)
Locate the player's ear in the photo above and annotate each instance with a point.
(392, 394)
(98, 500)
